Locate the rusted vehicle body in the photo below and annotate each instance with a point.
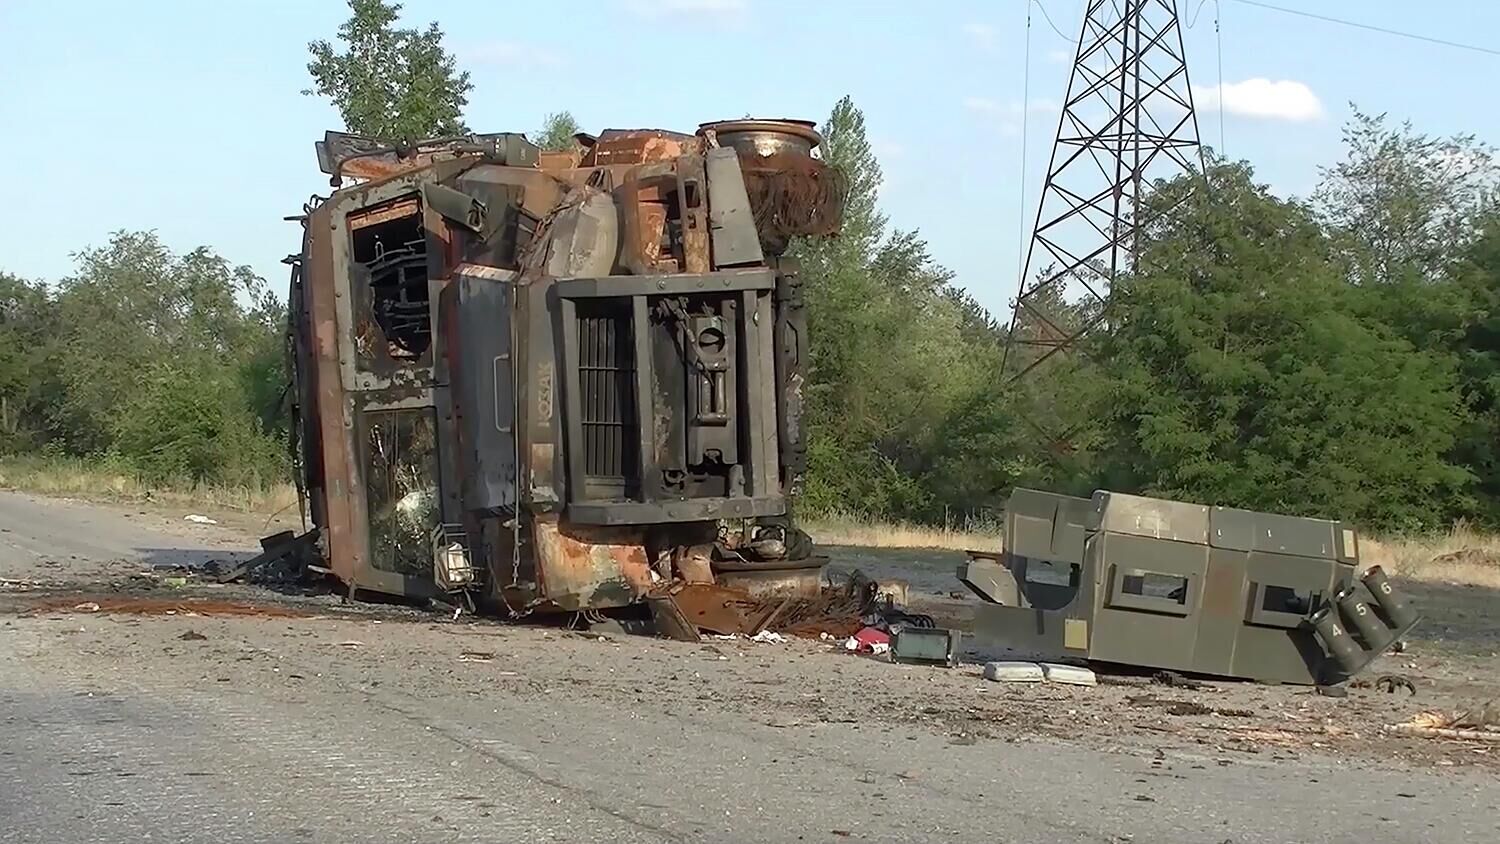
(556, 380)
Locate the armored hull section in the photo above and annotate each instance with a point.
(1184, 587)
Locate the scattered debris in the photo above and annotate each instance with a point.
(1176, 681)
(193, 636)
(1014, 672)
(161, 606)
(351, 643)
(1187, 707)
(925, 645)
(869, 640)
(1481, 724)
(283, 558)
(198, 520)
(476, 656)
(1387, 683)
(767, 637)
(174, 582)
(1071, 675)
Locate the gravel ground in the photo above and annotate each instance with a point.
(384, 724)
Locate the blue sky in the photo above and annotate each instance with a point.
(186, 117)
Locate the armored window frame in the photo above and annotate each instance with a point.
(1122, 597)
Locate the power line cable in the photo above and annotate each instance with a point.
(1049, 22)
(1371, 27)
(1198, 11)
(1219, 51)
(1025, 114)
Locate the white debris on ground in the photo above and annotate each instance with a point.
(198, 520)
(1007, 671)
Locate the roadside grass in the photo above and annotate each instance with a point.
(1461, 555)
(862, 532)
(89, 480)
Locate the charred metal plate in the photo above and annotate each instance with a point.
(716, 609)
(583, 567)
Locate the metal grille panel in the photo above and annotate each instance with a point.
(606, 374)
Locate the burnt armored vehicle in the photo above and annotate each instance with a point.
(1184, 587)
(556, 380)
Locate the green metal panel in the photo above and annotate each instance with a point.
(1046, 526)
(1244, 530)
(1281, 591)
(1150, 517)
(1166, 584)
(1221, 613)
(1152, 588)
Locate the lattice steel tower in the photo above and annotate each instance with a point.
(1128, 119)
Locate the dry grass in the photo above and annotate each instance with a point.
(83, 479)
(1462, 555)
(845, 529)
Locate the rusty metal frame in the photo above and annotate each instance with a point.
(343, 385)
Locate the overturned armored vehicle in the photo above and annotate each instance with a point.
(555, 380)
(1184, 587)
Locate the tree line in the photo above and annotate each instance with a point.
(1337, 356)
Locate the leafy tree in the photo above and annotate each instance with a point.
(1402, 204)
(892, 347)
(188, 420)
(1239, 374)
(390, 83)
(1477, 350)
(27, 327)
(557, 132)
(155, 353)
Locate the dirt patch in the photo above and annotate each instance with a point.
(158, 606)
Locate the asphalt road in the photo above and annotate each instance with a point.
(117, 728)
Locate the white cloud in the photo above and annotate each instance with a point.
(696, 8)
(1263, 99)
(982, 34)
(512, 54)
(1060, 56)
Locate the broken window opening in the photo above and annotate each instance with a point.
(393, 256)
(1150, 584)
(1048, 573)
(1288, 600)
(401, 489)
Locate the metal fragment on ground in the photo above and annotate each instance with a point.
(1012, 671)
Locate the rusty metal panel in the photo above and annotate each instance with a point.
(692, 202)
(638, 146)
(590, 567)
(345, 539)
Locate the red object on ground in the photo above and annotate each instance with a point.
(870, 640)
